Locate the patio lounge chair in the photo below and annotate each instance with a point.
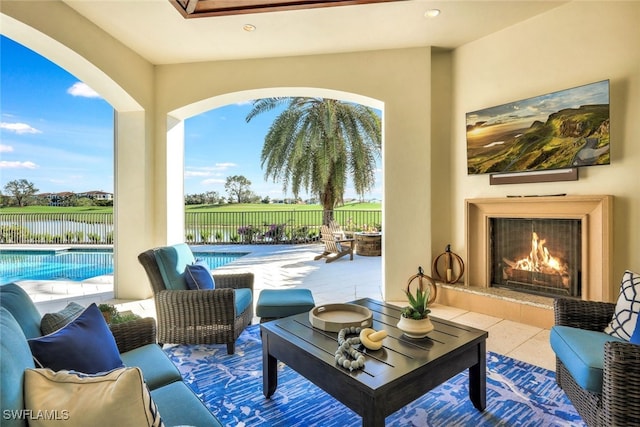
(334, 248)
(203, 316)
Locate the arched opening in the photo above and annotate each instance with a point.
(130, 203)
(176, 136)
(225, 174)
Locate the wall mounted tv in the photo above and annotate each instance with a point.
(560, 130)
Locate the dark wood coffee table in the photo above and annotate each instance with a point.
(403, 370)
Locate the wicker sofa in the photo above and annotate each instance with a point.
(136, 342)
(618, 403)
(206, 316)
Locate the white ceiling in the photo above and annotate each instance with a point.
(159, 33)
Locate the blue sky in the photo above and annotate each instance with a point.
(57, 132)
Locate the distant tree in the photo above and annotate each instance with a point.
(82, 201)
(237, 187)
(316, 144)
(21, 190)
(211, 197)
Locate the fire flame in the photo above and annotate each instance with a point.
(539, 259)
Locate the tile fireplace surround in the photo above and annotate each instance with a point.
(595, 213)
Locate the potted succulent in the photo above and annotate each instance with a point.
(414, 318)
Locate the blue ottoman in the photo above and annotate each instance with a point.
(277, 303)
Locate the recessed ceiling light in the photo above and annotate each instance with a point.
(249, 27)
(432, 13)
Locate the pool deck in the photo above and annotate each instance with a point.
(293, 266)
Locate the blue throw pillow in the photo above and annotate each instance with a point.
(85, 345)
(635, 338)
(198, 276)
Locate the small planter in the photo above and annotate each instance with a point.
(415, 328)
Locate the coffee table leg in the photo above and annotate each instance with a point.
(269, 369)
(373, 416)
(478, 379)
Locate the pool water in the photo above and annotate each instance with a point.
(76, 264)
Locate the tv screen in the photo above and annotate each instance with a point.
(560, 130)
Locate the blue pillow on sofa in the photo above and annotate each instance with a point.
(635, 338)
(198, 276)
(85, 345)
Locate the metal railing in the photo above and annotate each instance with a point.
(48, 228)
(259, 227)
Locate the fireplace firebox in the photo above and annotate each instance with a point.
(536, 255)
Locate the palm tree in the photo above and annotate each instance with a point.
(316, 144)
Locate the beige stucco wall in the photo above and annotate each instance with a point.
(575, 44)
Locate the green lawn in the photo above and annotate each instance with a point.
(243, 207)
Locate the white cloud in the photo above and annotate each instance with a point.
(213, 181)
(214, 170)
(6, 148)
(191, 174)
(19, 128)
(17, 165)
(81, 89)
(224, 166)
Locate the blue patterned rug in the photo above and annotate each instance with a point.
(517, 393)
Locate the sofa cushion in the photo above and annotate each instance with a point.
(198, 276)
(85, 345)
(15, 357)
(180, 406)
(51, 322)
(172, 261)
(116, 398)
(19, 304)
(244, 298)
(582, 352)
(157, 368)
(625, 316)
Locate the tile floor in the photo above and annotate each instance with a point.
(280, 266)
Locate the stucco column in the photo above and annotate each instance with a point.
(133, 210)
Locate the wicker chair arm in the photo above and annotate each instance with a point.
(621, 384)
(134, 334)
(196, 307)
(234, 280)
(589, 315)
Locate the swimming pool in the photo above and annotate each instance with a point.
(76, 264)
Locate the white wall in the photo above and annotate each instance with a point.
(575, 44)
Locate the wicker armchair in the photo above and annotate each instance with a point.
(619, 403)
(198, 316)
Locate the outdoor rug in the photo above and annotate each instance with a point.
(518, 394)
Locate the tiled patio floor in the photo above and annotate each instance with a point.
(285, 266)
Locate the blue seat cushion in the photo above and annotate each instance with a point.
(178, 405)
(277, 303)
(15, 356)
(19, 304)
(172, 261)
(582, 353)
(157, 368)
(244, 298)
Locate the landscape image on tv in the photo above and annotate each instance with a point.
(564, 129)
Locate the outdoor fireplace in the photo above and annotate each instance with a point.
(588, 218)
(536, 255)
